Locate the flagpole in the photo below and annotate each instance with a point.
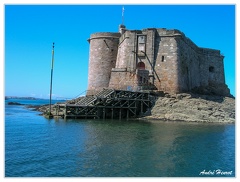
(50, 102)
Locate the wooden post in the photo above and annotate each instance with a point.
(104, 113)
(120, 113)
(128, 110)
(65, 112)
(112, 112)
(135, 114)
(50, 101)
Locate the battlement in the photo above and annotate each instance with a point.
(171, 32)
(208, 52)
(101, 35)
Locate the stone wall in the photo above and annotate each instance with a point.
(166, 63)
(200, 68)
(126, 57)
(174, 63)
(212, 64)
(189, 65)
(103, 54)
(123, 80)
(159, 56)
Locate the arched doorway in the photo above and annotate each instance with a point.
(141, 66)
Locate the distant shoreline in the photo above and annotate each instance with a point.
(28, 98)
(31, 98)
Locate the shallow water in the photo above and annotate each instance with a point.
(35, 146)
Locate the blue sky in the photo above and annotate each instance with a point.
(30, 31)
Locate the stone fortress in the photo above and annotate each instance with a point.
(154, 59)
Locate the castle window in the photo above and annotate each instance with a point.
(141, 45)
(211, 69)
(142, 39)
(163, 59)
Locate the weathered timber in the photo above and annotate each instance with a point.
(109, 103)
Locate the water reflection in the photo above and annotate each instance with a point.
(121, 148)
(35, 146)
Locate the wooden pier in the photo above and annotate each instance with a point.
(109, 103)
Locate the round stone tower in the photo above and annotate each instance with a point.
(102, 58)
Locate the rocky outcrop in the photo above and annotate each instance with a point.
(14, 103)
(194, 108)
(186, 107)
(213, 89)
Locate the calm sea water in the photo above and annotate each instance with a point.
(37, 147)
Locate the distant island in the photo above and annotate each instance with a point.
(32, 98)
(16, 97)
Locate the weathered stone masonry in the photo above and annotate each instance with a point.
(103, 53)
(153, 59)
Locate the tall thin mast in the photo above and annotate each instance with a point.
(50, 102)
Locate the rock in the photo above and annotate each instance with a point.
(194, 107)
(187, 107)
(14, 103)
(34, 107)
